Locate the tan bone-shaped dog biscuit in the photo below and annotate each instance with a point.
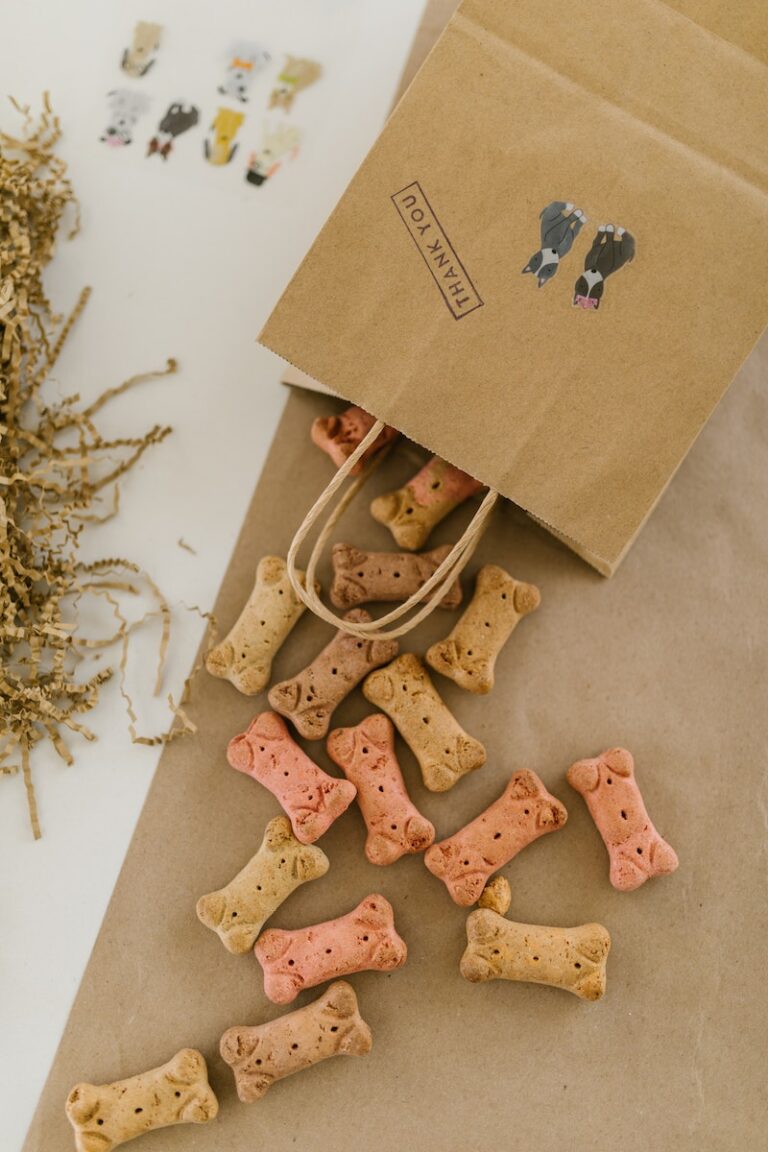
(238, 912)
(524, 812)
(340, 435)
(411, 512)
(637, 852)
(107, 1115)
(361, 577)
(310, 698)
(366, 755)
(468, 653)
(311, 798)
(445, 752)
(245, 655)
(363, 940)
(329, 1026)
(570, 958)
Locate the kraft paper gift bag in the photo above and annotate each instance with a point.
(555, 258)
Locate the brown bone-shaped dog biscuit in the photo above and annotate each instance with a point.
(636, 850)
(363, 940)
(366, 755)
(363, 577)
(524, 812)
(468, 653)
(310, 797)
(238, 912)
(340, 435)
(106, 1115)
(411, 512)
(245, 655)
(570, 958)
(310, 698)
(329, 1026)
(443, 749)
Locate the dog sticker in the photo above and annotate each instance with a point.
(561, 223)
(178, 119)
(612, 248)
(297, 75)
(125, 109)
(139, 58)
(278, 143)
(246, 61)
(219, 147)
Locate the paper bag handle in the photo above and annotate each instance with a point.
(438, 583)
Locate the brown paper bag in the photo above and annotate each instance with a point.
(413, 302)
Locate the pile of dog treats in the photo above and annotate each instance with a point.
(405, 698)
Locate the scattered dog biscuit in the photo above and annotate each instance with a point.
(445, 752)
(126, 108)
(106, 1115)
(340, 435)
(177, 120)
(278, 143)
(468, 654)
(364, 940)
(330, 1026)
(238, 912)
(366, 755)
(524, 812)
(145, 45)
(637, 852)
(570, 958)
(311, 799)
(310, 698)
(497, 895)
(362, 577)
(219, 146)
(246, 60)
(245, 655)
(411, 512)
(297, 75)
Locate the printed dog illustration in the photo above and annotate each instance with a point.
(246, 61)
(125, 109)
(139, 58)
(278, 141)
(219, 147)
(561, 223)
(297, 75)
(178, 119)
(612, 248)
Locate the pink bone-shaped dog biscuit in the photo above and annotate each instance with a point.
(311, 798)
(366, 755)
(524, 812)
(363, 940)
(636, 850)
(412, 511)
(340, 435)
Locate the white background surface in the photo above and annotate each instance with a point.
(186, 260)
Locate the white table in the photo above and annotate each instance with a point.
(186, 260)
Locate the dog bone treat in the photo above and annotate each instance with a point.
(340, 435)
(238, 912)
(106, 1115)
(569, 958)
(310, 797)
(468, 653)
(366, 755)
(411, 512)
(615, 803)
(443, 749)
(363, 940)
(245, 656)
(497, 895)
(361, 577)
(329, 1026)
(524, 812)
(309, 699)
